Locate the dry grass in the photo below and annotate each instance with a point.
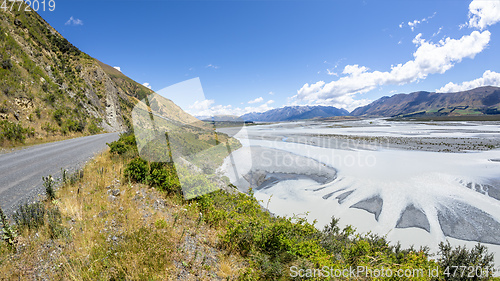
(139, 234)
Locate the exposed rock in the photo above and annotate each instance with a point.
(24, 103)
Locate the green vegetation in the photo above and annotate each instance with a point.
(14, 132)
(124, 218)
(50, 87)
(8, 233)
(30, 216)
(273, 245)
(49, 185)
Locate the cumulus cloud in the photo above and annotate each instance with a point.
(484, 13)
(345, 101)
(117, 68)
(207, 108)
(429, 58)
(73, 21)
(271, 93)
(490, 78)
(257, 100)
(146, 85)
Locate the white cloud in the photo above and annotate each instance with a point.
(401, 25)
(146, 84)
(73, 21)
(413, 24)
(117, 68)
(257, 100)
(271, 93)
(483, 13)
(429, 58)
(330, 72)
(206, 108)
(437, 32)
(212, 66)
(490, 78)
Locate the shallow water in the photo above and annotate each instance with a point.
(415, 197)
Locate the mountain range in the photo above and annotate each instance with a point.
(51, 89)
(478, 101)
(291, 113)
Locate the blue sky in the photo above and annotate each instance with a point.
(277, 53)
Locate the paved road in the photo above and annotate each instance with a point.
(21, 171)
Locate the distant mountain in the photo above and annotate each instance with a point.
(483, 100)
(290, 113)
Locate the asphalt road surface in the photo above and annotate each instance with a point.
(21, 171)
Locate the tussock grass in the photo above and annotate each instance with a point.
(141, 234)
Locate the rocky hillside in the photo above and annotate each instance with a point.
(290, 113)
(479, 101)
(49, 89)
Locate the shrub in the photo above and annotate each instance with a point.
(30, 216)
(125, 144)
(8, 233)
(7, 64)
(137, 170)
(455, 258)
(73, 126)
(164, 177)
(48, 128)
(58, 114)
(13, 132)
(93, 128)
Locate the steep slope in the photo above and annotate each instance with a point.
(483, 100)
(290, 113)
(49, 89)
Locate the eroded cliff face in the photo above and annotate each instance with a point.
(49, 87)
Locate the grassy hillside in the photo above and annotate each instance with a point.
(51, 90)
(474, 102)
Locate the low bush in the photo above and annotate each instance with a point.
(7, 232)
(124, 145)
(164, 177)
(137, 170)
(73, 126)
(30, 216)
(14, 132)
(7, 64)
(93, 128)
(477, 261)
